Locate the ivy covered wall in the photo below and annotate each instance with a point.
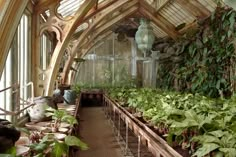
(203, 59)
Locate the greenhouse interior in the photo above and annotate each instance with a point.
(117, 78)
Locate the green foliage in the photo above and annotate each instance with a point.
(10, 152)
(7, 155)
(56, 148)
(56, 114)
(69, 119)
(48, 144)
(39, 148)
(77, 88)
(198, 123)
(61, 116)
(59, 149)
(127, 82)
(120, 77)
(74, 141)
(207, 58)
(221, 142)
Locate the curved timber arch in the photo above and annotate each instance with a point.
(144, 9)
(100, 16)
(61, 46)
(100, 25)
(8, 25)
(130, 8)
(85, 51)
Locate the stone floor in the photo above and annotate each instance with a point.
(96, 131)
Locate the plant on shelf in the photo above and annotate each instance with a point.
(10, 152)
(60, 116)
(45, 145)
(71, 120)
(49, 146)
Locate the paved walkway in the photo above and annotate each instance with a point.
(97, 133)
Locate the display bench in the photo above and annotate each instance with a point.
(147, 137)
(91, 97)
(38, 130)
(51, 130)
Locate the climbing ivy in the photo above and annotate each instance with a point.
(208, 58)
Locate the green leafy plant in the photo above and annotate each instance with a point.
(185, 120)
(49, 145)
(10, 152)
(60, 116)
(207, 60)
(217, 142)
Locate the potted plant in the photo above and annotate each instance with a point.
(49, 146)
(60, 116)
(46, 145)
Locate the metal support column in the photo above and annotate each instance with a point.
(154, 69)
(119, 128)
(139, 145)
(126, 138)
(133, 58)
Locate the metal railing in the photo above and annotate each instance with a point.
(144, 135)
(17, 108)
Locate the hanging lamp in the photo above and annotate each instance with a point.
(144, 36)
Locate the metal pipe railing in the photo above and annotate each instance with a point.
(16, 90)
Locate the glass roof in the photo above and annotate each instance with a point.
(175, 14)
(209, 4)
(69, 7)
(169, 9)
(157, 4)
(82, 27)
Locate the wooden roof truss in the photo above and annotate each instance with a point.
(80, 23)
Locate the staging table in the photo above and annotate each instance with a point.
(146, 136)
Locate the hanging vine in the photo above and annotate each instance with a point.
(208, 58)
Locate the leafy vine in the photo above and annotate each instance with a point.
(207, 64)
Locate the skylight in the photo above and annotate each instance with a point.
(69, 7)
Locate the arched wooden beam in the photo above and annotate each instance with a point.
(43, 5)
(95, 11)
(102, 6)
(104, 14)
(89, 44)
(107, 12)
(95, 41)
(100, 30)
(108, 25)
(8, 27)
(61, 46)
(3, 7)
(85, 51)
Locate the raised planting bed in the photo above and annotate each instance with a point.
(191, 124)
(148, 137)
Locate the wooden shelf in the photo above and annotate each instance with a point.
(155, 143)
